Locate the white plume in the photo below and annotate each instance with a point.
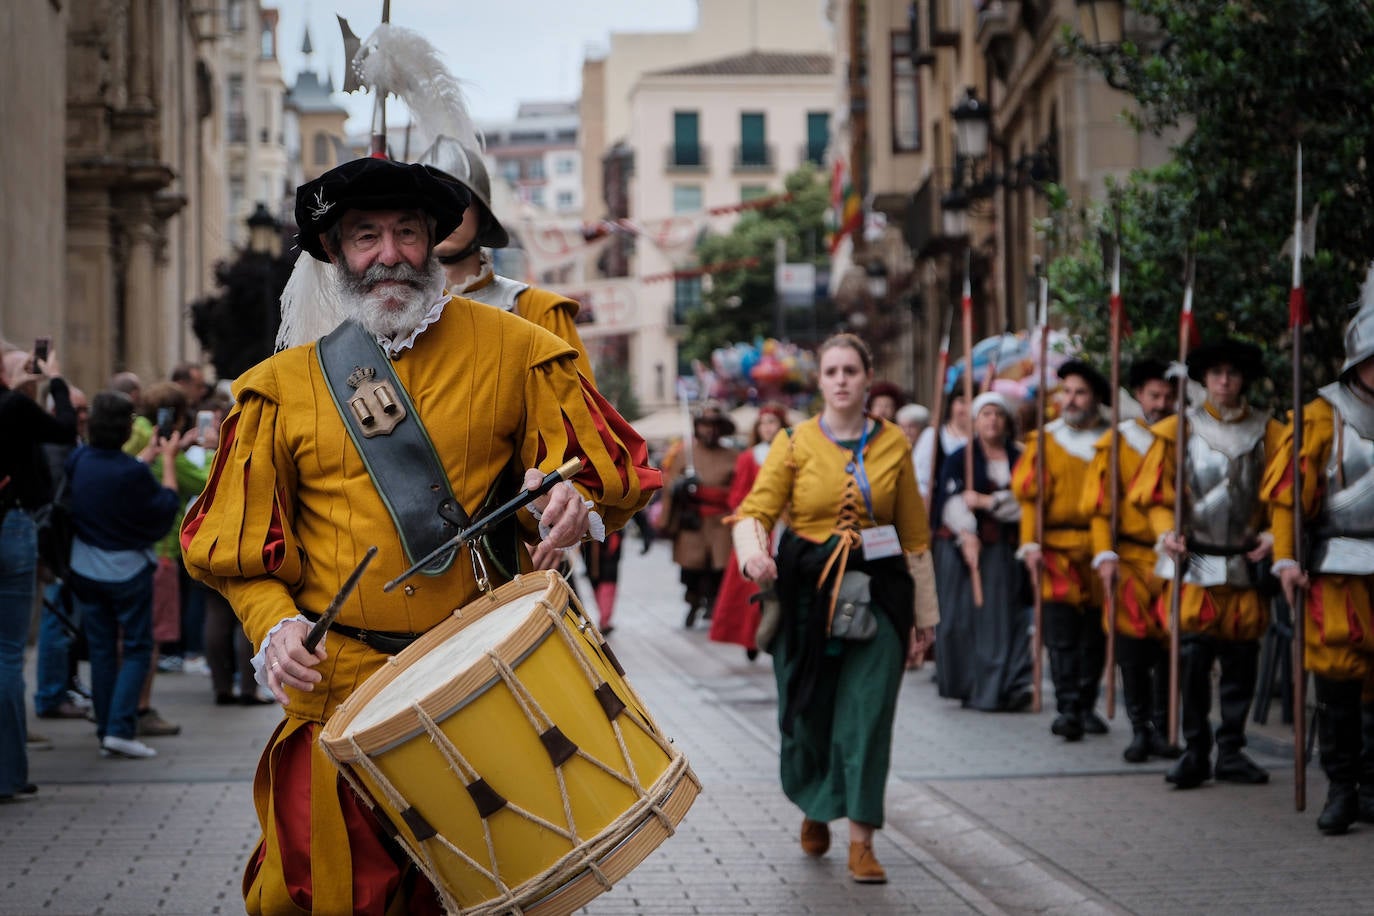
(310, 304)
(1366, 300)
(403, 62)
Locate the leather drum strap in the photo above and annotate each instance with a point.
(403, 464)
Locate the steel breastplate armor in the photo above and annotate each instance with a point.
(1343, 542)
(500, 292)
(1225, 465)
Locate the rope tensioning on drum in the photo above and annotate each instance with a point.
(611, 703)
(413, 819)
(556, 614)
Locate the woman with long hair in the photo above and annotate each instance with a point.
(857, 526)
(984, 656)
(736, 617)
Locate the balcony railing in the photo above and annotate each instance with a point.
(755, 157)
(813, 153)
(687, 157)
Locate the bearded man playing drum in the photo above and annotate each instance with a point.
(299, 491)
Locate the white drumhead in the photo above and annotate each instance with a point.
(444, 662)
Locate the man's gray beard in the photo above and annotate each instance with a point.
(1079, 419)
(365, 305)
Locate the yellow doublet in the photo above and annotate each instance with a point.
(806, 474)
(552, 312)
(1067, 544)
(1221, 611)
(492, 389)
(1138, 588)
(1339, 635)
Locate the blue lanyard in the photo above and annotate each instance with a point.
(856, 467)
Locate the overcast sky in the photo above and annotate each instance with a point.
(505, 51)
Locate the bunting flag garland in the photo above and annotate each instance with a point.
(553, 243)
(703, 270)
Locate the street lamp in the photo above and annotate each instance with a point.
(971, 126)
(264, 232)
(875, 279)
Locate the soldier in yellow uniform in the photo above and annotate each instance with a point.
(291, 505)
(469, 267)
(1062, 567)
(1141, 631)
(1338, 570)
(1222, 613)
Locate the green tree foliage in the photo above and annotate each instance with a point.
(740, 303)
(1246, 82)
(614, 382)
(238, 323)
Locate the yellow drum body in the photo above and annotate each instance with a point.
(514, 762)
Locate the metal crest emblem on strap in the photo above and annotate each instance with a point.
(374, 404)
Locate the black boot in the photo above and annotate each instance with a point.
(1367, 763)
(1061, 639)
(1135, 695)
(1239, 668)
(1194, 767)
(1064, 673)
(1092, 653)
(1338, 737)
(1159, 714)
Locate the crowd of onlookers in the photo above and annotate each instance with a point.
(92, 493)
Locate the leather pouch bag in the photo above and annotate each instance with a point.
(855, 618)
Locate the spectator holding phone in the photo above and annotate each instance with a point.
(24, 486)
(119, 511)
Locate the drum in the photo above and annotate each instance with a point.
(509, 756)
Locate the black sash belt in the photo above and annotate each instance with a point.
(388, 643)
(1218, 550)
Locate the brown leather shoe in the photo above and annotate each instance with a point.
(863, 867)
(815, 837)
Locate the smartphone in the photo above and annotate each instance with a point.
(41, 348)
(205, 425)
(166, 417)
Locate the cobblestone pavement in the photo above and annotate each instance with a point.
(987, 813)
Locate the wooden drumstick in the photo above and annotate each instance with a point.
(496, 516)
(332, 612)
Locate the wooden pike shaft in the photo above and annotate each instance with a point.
(1114, 482)
(966, 307)
(1038, 601)
(1300, 598)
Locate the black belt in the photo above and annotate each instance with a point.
(1218, 550)
(382, 641)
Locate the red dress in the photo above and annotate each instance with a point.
(735, 618)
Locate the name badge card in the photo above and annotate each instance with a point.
(880, 542)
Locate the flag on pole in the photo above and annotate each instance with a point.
(846, 208)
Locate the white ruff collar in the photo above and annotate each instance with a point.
(394, 347)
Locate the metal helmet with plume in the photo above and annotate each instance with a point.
(391, 61)
(1359, 333)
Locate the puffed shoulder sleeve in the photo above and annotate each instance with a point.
(237, 537)
(567, 417)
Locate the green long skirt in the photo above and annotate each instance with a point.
(835, 762)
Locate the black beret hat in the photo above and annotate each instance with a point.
(1100, 386)
(377, 184)
(1246, 358)
(1147, 370)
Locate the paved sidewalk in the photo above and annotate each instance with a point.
(987, 813)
